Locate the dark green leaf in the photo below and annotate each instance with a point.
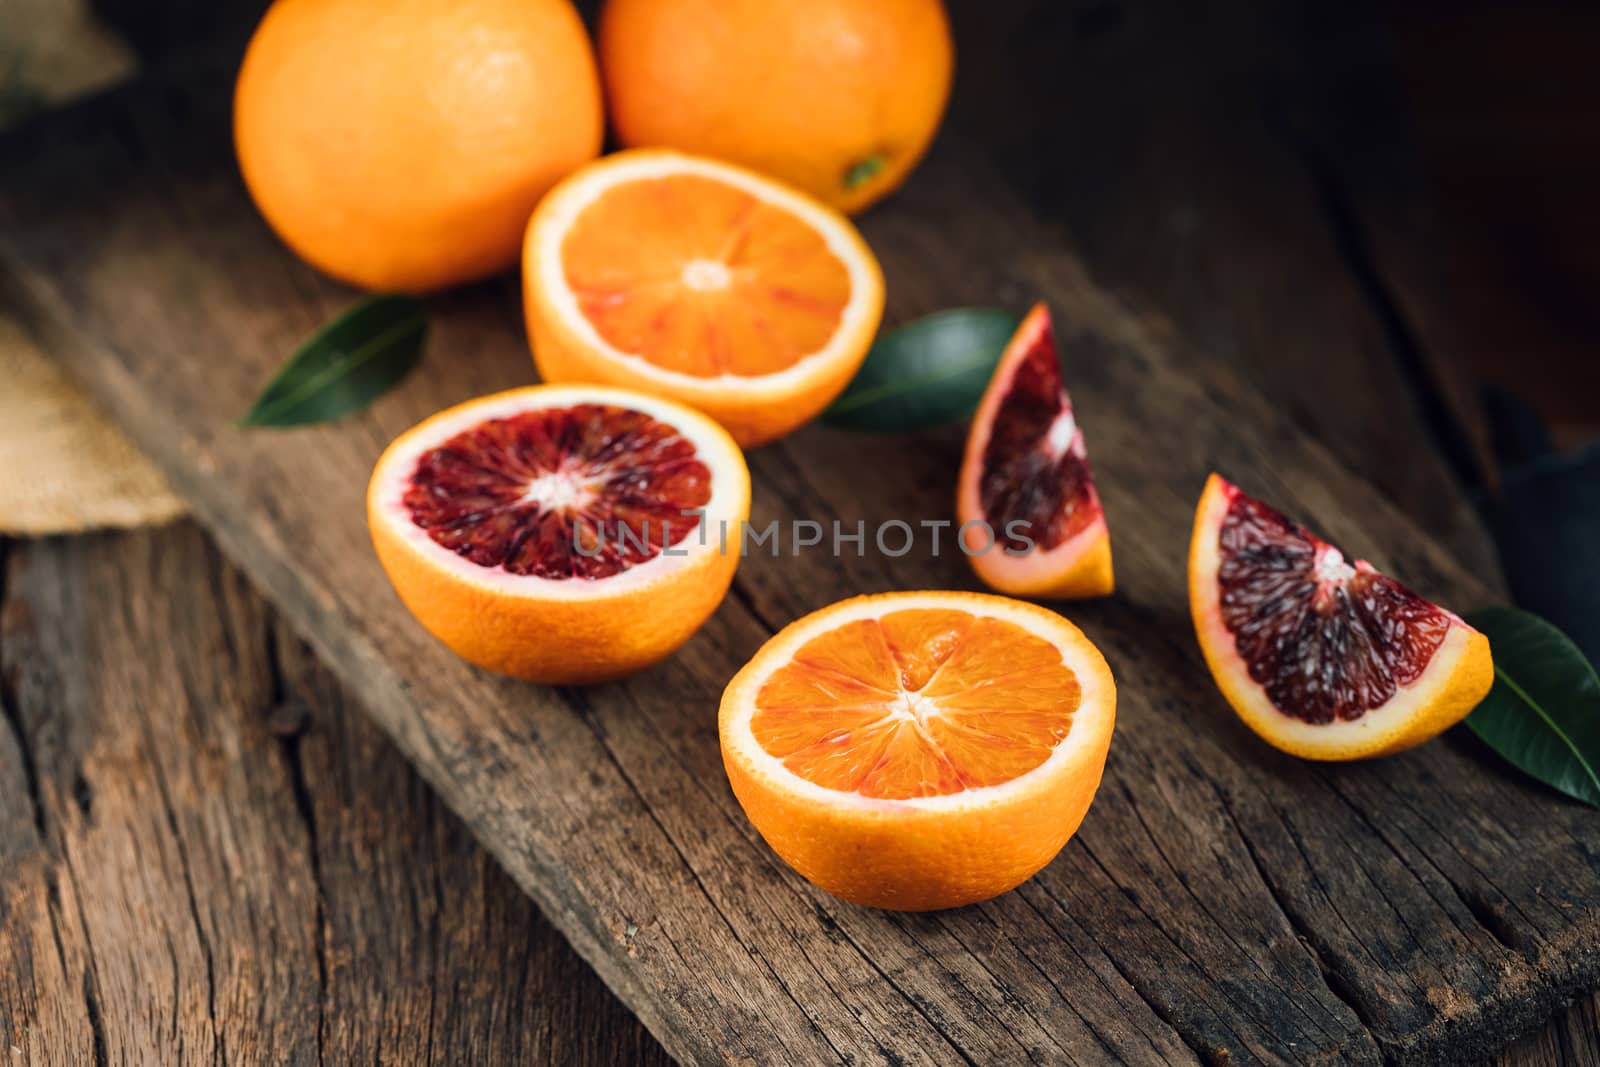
(1543, 713)
(346, 365)
(926, 373)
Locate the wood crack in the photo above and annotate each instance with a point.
(1500, 929)
(1355, 251)
(97, 1025)
(11, 710)
(289, 746)
(1008, 995)
(158, 775)
(1165, 1016)
(1205, 908)
(1338, 986)
(1095, 971)
(1380, 835)
(904, 924)
(91, 995)
(1159, 1010)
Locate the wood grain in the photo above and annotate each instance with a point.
(1221, 903)
(211, 857)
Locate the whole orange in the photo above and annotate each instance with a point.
(839, 97)
(402, 144)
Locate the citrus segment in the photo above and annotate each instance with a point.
(703, 282)
(560, 534)
(919, 750)
(1323, 657)
(1026, 475)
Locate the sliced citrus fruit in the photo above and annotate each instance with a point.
(1025, 477)
(919, 750)
(1323, 658)
(562, 534)
(701, 281)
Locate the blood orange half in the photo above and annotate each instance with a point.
(1323, 658)
(919, 750)
(701, 281)
(562, 534)
(1026, 475)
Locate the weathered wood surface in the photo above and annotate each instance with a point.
(207, 855)
(374, 873)
(1221, 902)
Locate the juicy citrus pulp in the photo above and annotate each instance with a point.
(560, 533)
(919, 702)
(919, 750)
(1026, 474)
(702, 277)
(538, 492)
(700, 281)
(1325, 658)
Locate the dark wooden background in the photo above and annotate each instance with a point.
(185, 784)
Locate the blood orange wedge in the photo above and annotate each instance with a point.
(919, 750)
(1026, 477)
(700, 281)
(1323, 658)
(562, 534)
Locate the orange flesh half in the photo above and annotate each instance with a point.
(918, 703)
(700, 277)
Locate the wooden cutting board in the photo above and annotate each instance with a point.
(1222, 903)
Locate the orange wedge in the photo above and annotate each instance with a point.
(919, 751)
(1324, 657)
(703, 282)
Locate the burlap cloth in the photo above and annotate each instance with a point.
(63, 466)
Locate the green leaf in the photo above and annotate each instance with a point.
(926, 373)
(346, 365)
(1543, 713)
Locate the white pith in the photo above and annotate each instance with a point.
(729, 501)
(706, 275)
(564, 204)
(1330, 566)
(1090, 722)
(1061, 434)
(563, 490)
(1250, 698)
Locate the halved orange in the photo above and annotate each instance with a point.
(922, 750)
(700, 281)
(563, 534)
